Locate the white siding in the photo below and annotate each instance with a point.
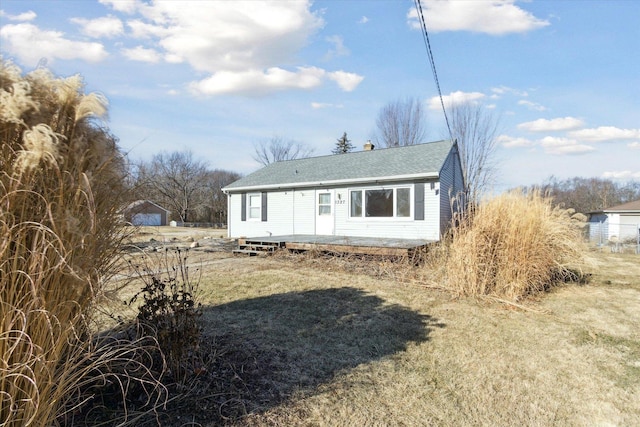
(288, 212)
(401, 228)
(629, 224)
(279, 216)
(304, 213)
(294, 212)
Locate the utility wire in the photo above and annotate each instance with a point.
(425, 36)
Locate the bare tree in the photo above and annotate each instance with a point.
(589, 194)
(475, 129)
(400, 123)
(216, 200)
(175, 180)
(277, 149)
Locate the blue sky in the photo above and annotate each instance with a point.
(217, 77)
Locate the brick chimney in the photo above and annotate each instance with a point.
(369, 146)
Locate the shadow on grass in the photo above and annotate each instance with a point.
(290, 343)
(257, 353)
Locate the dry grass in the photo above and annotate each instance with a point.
(311, 340)
(60, 191)
(513, 246)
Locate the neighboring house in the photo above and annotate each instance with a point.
(617, 223)
(401, 192)
(145, 212)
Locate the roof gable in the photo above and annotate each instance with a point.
(422, 160)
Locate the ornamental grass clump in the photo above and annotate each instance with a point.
(512, 246)
(61, 189)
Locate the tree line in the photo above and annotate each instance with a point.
(184, 185)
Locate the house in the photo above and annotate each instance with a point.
(617, 223)
(401, 192)
(145, 212)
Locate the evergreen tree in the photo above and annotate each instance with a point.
(343, 145)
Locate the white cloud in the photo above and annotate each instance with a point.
(339, 49)
(230, 35)
(107, 26)
(532, 105)
(126, 6)
(496, 17)
(634, 145)
(140, 53)
(257, 82)
(605, 133)
(30, 44)
(347, 81)
(455, 98)
(363, 20)
(319, 105)
(248, 47)
(621, 175)
(503, 90)
(554, 145)
(26, 16)
(553, 125)
(142, 30)
(513, 142)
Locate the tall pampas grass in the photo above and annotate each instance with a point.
(61, 188)
(512, 246)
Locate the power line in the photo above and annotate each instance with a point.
(425, 36)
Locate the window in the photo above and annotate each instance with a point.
(356, 203)
(403, 202)
(255, 206)
(381, 203)
(324, 204)
(378, 203)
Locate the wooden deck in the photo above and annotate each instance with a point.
(340, 244)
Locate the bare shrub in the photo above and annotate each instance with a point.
(169, 311)
(512, 246)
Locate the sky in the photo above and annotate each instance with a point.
(217, 77)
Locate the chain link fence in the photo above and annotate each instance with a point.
(619, 237)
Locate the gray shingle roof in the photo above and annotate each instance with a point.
(629, 206)
(424, 160)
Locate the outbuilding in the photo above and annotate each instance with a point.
(146, 212)
(401, 192)
(618, 223)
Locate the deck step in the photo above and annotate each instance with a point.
(256, 247)
(248, 252)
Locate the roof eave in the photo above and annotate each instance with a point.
(291, 185)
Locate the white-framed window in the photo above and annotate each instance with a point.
(324, 204)
(254, 206)
(380, 203)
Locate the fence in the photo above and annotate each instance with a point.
(619, 237)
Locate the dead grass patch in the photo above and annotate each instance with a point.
(323, 341)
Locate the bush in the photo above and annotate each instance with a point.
(512, 246)
(169, 311)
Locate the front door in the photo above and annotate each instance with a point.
(324, 212)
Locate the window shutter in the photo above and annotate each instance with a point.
(418, 192)
(243, 209)
(264, 206)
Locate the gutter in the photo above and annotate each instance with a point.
(369, 180)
